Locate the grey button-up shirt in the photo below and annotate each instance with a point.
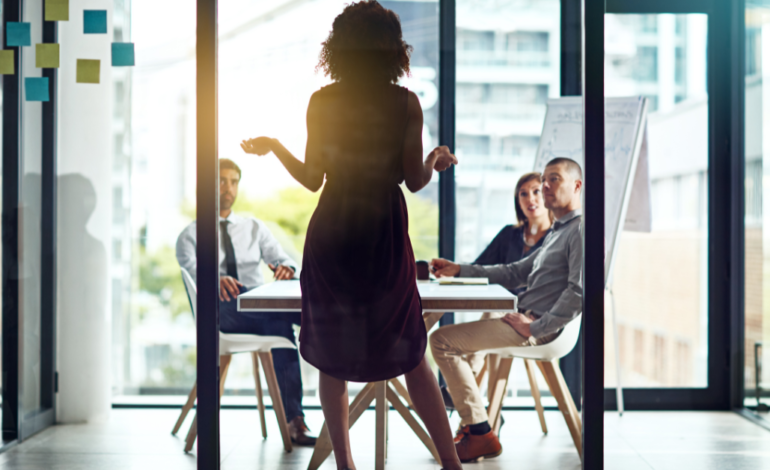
(252, 243)
(552, 275)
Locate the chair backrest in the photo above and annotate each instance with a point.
(192, 291)
(556, 349)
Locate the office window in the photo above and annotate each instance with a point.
(267, 57)
(660, 277)
(501, 101)
(757, 209)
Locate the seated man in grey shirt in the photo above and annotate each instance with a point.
(552, 276)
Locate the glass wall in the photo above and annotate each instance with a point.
(757, 244)
(267, 57)
(660, 277)
(508, 65)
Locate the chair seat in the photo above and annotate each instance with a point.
(556, 349)
(230, 343)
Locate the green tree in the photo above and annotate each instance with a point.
(160, 276)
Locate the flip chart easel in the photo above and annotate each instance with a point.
(627, 176)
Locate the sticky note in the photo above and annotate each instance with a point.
(122, 54)
(36, 89)
(17, 34)
(47, 56)
(7, 62)
(57, 10)
(87, 71)
(95, 21)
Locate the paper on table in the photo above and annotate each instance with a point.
(463, 281)
(47, 56)
(122, 54)
(7, 62)
(87, 71)
(95, 21)
(17, 34)
(57, 10)
(36, 88)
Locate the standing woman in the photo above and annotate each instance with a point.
(361, 311)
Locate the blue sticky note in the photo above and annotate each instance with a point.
(122, 54)
(17, 34)
(95, 21)
(36, 89)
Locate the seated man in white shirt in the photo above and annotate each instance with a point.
(244, 242)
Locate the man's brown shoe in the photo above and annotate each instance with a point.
(472, 448)
(298, 431)
(461, 432)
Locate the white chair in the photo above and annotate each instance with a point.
(546, 357)
(260, 348)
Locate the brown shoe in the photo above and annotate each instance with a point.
(473, 448)
(298, 431)
(461, 432)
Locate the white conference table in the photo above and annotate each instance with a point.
(286, 296)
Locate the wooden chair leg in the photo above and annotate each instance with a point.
(186, 408)
(323, 446)
(224, 365)
(535, 393)
(561, 394)
(493, 363)
(380, 409)
(258, 391)
(480, 377)
(275, 396)
(498, 394)
(568, 397)
(412, 422)
(401, 389)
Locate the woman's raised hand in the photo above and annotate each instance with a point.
(444, 158)
(259, 146)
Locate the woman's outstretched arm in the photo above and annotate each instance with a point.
(417, 173)
(308, 173)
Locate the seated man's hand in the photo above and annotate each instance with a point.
(444, 268)
(518, 322)
(229, 288)
(281, 272)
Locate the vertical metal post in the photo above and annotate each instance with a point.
(593, 243)
(12, 357)
(48, 229)
(207, 237)
(446, 131)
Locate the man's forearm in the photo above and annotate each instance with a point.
(507, 275)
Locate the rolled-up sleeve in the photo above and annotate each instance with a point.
(271, 250)
(570, 303)
(510, 275)
(185, 251)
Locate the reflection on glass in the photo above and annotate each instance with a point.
(508, 60)
(660, 278)
(267, 56)
(757, 255)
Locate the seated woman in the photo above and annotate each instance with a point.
(514, 242)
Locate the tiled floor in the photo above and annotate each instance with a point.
(141, 440)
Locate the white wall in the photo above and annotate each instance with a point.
(84, 222)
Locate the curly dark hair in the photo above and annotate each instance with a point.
(365, 44)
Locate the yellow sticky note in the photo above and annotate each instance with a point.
(47, 56)
(88, 71)
(57, 10)
(7, 63)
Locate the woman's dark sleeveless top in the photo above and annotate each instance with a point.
(361, 311)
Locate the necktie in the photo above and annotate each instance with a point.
(232, 269)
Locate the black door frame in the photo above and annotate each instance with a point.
(16, 426)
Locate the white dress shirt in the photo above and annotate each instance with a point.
(252, 242)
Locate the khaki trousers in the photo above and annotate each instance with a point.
(455, 349)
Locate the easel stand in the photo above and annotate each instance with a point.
(619, 386)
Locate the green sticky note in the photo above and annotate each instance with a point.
(7, 63)
(47, 56)
(88, 71)
(57, 10)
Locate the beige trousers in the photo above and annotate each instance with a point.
(455, 349)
